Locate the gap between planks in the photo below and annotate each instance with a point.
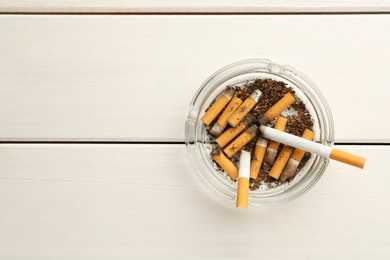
(154, 142)
(200, 13)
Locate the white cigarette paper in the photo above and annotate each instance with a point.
(244, 164)
(256, 95)
(295, 141)
(243, 180)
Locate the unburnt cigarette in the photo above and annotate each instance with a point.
(261, 146)
(243, 180)
(226, 164)
(276, 109)
(295, 159)
(281, 161)
(244, 108)
(312, 147)
(217, 107)
(232, 132)
(221, 124)
(272, 149)
(241, 141)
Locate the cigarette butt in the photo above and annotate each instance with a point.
(232, 132)
(261, 146)
(312, 147)
(281, 161)
(272, 149)
(276, 109)
(241, 141)
(289, 171)
(221, 124)
(295, 159)
(347, 158)
(226, 164)
(244, 108)
(270, 156)
(217, 107)
(243, 180)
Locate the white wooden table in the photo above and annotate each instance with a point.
(93, 99)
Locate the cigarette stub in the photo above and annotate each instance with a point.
(281, 161)
(226, 164)
(241, 141)
(261, 146)
(295, 159)
(273, 146)
(312, 147)
(217, 107)
(243, 180)
(276, 109)
(244, 108)
(221, 124)
(232, 132)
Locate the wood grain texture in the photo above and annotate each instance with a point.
(131, 78)
(145, 201)
(205, 6)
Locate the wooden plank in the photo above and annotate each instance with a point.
(131, 78)
(205, 6)
(145, 201)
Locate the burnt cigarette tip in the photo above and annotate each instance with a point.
(248, 119)
(289, 170)
(263, 120)
(229, 93)
(254, 129)
(216, 130)
(261, 142)
(256, 95)
(270, 156)
(285, 177)
(216, 153)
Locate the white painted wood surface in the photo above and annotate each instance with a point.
(155, 6)
(131, 78)
(144, 201)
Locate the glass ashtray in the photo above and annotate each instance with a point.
(199, 146)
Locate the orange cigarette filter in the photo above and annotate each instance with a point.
(222, 122)
(217, 107)
(232, 132)
(261, 146)
(244, 108)
(281, 161)
(276, 109)
(241, 141)
(296, 157)
(272, 149)
(226, 164)
(243, 193)
(347, 158)
(243, 180)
